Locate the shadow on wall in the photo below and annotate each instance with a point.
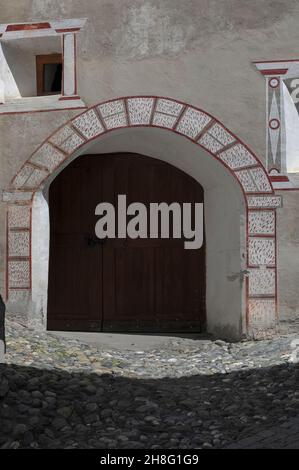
(2, 329)
(56, 409)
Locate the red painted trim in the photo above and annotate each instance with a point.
(72, 97)
(262, 296)
(261, 235)
(180, 116)
(228, 146)
(20, 288)
(274, 61)
(205, 130)
(101, 119)
(77, 132)
(262, 209)
(67, 30)
(279, 178)
(19, 229)
(274, 124)
(27, 27)
(274, 71)
(126, 112)
(277, 79)
(153, 111)
(253, 209)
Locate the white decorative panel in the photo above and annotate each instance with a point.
(192, 122)
(69, 64)
(19, 273)
(261, 180)
(164, 120)
(19, 295)
(48, 156)
(274, 126)
(262, 251)
(262, 313)
(113, 107)
(18, 244)
(23, 176)
(246, 180)
(140, 110)
(19, 217)
(61, 135)
(237, 157)
(88, 124)
(169, 107)
(118, 120)
(261, 222)
(264, 201)
(17, 196)
(35, 179)
(262, 281)
(210, 143)
(221, 134)
(72, 143)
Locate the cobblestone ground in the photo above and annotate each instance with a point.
(62, 393)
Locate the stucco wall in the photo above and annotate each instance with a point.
(198, 51)
(288, 255)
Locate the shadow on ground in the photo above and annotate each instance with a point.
(42, 408)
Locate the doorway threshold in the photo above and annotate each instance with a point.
(128, 341)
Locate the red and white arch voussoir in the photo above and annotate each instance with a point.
(174, 116)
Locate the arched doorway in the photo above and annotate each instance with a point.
(239, 199)
(121, 284)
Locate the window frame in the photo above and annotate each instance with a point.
(42, 60)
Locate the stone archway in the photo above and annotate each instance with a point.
(172, 116)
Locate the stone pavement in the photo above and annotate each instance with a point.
(285, 436)
(177, 392)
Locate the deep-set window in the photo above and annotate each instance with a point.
(49, 74)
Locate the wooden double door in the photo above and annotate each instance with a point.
(149, 285)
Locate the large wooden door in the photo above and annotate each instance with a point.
(122, 284)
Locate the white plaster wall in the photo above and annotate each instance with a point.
(8, 86)
(40, 259)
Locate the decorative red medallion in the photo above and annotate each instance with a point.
(274, 124)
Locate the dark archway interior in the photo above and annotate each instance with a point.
(122, 284)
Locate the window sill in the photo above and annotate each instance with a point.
(41, 103)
